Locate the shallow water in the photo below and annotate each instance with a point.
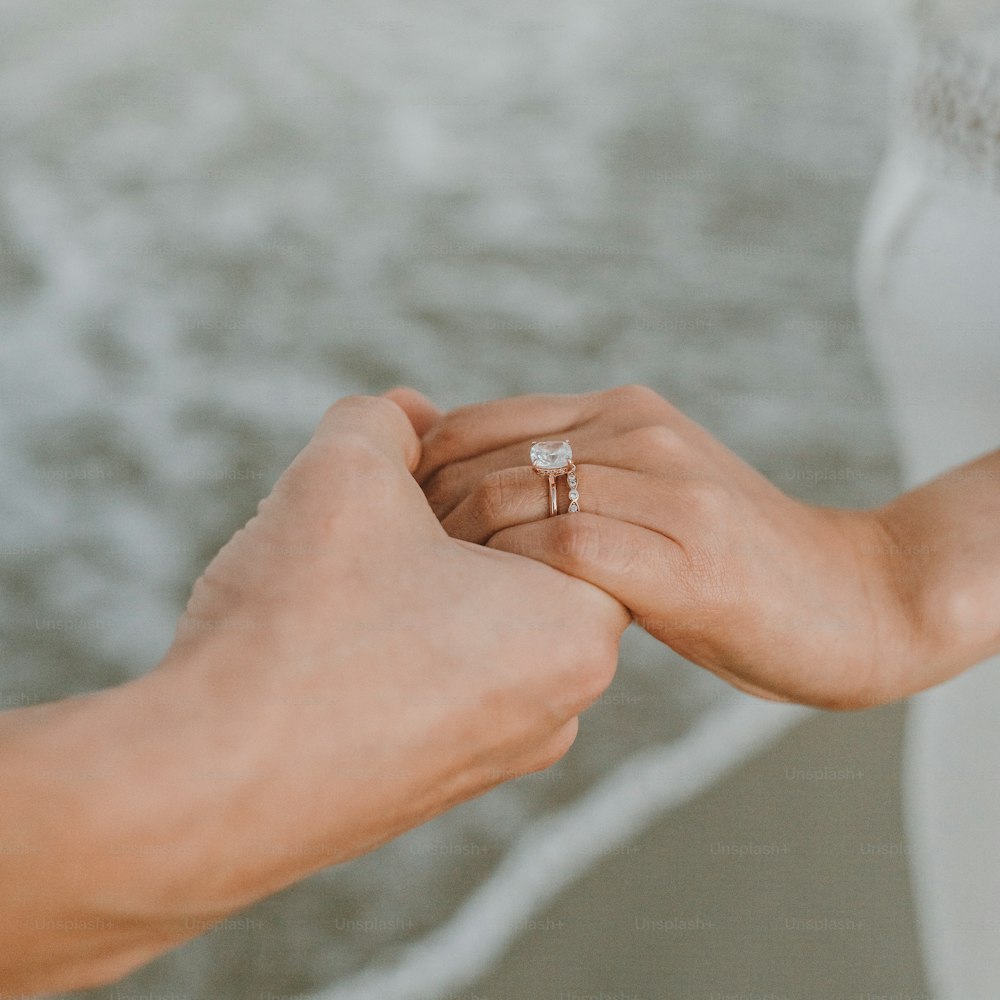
(217, 217)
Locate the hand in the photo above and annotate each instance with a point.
(372, 671)
(783, 599)
(343, 671)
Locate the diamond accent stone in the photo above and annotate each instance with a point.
(573, 495)
(553, 455)
(574, 507)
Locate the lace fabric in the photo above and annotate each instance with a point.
(954, 108)
(950, 89)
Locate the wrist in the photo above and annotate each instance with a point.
(159, 783)
(113, 863)
(283, 773)
(883, 632)
(159, 786)
(904, 560)
(210, 762)
(948, 581)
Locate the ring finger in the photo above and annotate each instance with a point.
(516, 496)
(630, 450)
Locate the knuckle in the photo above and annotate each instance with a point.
(633, 398)
(346, 463)
(706, 500)
(358, 409)
(655, 439)
(351, 450)
(347, 466)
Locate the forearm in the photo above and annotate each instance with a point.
(943, 553)
(135, 818)
(112, 843)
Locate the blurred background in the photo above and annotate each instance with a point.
(217, 217)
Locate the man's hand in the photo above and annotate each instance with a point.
(344, 671)
(380, 670)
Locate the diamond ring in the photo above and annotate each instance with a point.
(553, 459)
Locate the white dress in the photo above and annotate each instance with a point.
(929, 276)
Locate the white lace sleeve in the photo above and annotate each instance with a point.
(949, 90)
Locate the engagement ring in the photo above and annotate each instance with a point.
(553, 459)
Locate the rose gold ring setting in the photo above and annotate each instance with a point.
(554, 459)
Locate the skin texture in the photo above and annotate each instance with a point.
(343, 671)
(784, 599)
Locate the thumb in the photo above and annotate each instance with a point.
(423, 413)
(376, 420)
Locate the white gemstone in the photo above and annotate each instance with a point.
(573, 495)
(551, 454)
(574, 507)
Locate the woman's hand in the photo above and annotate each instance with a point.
(783, 599)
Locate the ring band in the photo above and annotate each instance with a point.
(553, 459)
(553, 497)
(574, 492)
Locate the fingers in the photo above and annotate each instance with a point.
(501, 500)
(449, 486)
(423, 413)
(667, 456)
(353, 477)
(372, 423)
(474, 430)
(515, 496)
(644, 570)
